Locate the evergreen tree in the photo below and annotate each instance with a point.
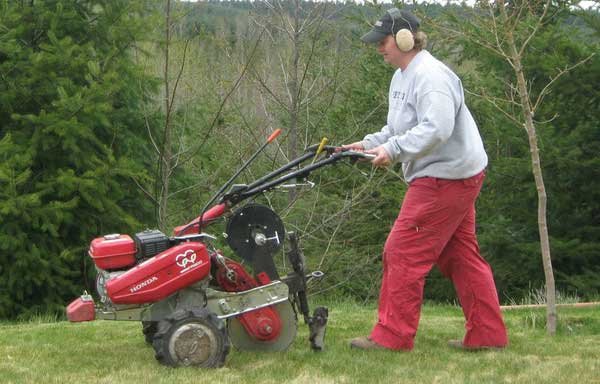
(70, 134)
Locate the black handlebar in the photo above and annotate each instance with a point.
(268, 181)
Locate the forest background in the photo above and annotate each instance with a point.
(119, 115)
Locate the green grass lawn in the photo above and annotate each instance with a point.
(115, 352)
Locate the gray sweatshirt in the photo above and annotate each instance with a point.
(429, 128)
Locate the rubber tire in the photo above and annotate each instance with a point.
(149, 329)
(169, 326)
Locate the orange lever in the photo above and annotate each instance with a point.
(274, 135)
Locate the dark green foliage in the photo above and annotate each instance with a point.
(572, 144)
(69, 105)
(569, 139)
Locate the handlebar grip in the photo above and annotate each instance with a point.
(274, 135)
(369, 156)
(358, 154)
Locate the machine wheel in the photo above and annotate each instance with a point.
(191, 338)
(149, 328)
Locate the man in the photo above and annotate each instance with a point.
(431, 131)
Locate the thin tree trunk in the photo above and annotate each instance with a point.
(551, 315)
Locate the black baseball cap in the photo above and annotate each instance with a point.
(390, 23)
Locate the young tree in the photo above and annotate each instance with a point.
(300, 74)
(193, 65)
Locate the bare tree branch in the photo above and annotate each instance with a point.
(562, 72)
(493, 101)
(537, 26)
(227, 96)
(148, 194)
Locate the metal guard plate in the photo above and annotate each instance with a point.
(289, 325)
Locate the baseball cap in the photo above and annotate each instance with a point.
(390, 23)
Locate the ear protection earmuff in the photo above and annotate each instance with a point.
(404, 37)
(405, 40)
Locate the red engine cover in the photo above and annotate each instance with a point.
(162, 275)
(113, 251)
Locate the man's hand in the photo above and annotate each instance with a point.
(382, 158)
(357, 146)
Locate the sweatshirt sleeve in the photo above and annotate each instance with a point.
(378, 138)
(435, 111)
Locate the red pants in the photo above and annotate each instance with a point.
(436, 225)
